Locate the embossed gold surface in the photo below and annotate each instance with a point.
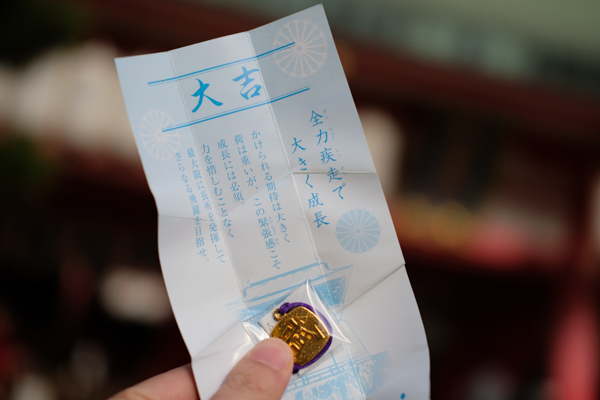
(303, 331)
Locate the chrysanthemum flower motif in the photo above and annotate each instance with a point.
(309, 52)
(358, 231)
(161, 145)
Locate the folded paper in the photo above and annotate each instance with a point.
(262, 178)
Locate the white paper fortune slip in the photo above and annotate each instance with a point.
(262, 178)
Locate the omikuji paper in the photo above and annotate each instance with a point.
(262, 177)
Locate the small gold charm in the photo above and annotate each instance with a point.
(303, 331)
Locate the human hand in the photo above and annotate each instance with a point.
(262, 374)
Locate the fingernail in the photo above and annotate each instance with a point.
(273, 352)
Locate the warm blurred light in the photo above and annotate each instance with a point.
(135, 295)
(448, 225)
(8, 93)
(33, 387)
(348, 59)
(72, 95)
(595, 214)
(496, 237)
(498, 243)
(385, 140)
(415, 211)
(451, 224)
(574, 365)
(490, 382)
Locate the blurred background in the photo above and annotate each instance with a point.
(484, 121)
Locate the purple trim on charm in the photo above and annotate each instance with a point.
(286, 308)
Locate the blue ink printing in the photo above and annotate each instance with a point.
(200, 94)
(358, 231)
(247, 80)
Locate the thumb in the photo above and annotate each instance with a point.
(262, 374)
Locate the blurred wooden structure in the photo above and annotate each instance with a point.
(534, 316)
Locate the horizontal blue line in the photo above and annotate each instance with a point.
(289, 288)
(172, 128)
(294, 271)
(176, 78)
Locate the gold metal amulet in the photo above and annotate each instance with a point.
(303, 331)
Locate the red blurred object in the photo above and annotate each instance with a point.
(574, 356)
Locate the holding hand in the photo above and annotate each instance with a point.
(262, 374)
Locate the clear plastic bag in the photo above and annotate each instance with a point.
(301, 318)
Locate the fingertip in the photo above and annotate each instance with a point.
(263, 373)
(273, 352)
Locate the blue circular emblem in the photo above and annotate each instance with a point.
(358, 231)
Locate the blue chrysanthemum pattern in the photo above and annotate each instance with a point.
(161, 145)
(309, 52)
(358, 231)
